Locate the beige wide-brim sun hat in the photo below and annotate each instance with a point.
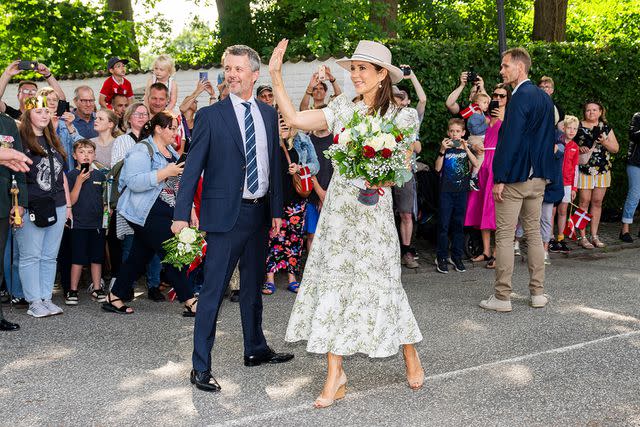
(375, 53)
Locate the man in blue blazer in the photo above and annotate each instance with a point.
(236, 143)
(522, 165)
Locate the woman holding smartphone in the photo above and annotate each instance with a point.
(49, 206)
(596, 137)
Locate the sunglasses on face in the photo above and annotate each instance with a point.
(498, 95)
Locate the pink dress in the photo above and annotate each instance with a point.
(481, 210)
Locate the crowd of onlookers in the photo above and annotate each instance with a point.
(104, 179)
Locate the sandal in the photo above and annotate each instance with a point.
(189, 309)
(481, 258)
(108, 306)
(491, 265)
(597, 242)
(584, 242)
(268, 288)
(293, 287)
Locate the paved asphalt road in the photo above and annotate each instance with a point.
(576, 362)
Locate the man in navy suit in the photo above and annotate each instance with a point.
(522, 165)
(236, 143)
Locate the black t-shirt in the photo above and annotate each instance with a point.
(321, 144)
(455, 171)
(39, 175)
(88, 209)
(12, 112)
(289, 194)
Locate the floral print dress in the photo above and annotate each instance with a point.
(600, 159)
(351, 298)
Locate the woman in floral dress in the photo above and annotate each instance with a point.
(351, 298)
(596, 137)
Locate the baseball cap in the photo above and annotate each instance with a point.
(113, 61)
(262, 89)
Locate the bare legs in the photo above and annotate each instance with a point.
(415, 373)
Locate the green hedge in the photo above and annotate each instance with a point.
(610, 74)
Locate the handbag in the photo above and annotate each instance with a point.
(302, 180)
(42, 211)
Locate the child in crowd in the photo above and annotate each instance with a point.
(553, 193)
(453, 162)
(117, 83)
(569, 180)
(164, 69)
(87, 232)
(477, 125)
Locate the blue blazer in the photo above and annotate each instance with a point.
(217, 149)
(526, 138)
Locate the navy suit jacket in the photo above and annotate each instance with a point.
(526, 138)
(217, 149)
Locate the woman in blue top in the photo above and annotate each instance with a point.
(285, 248)
(148, 185)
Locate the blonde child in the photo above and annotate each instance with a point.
(477, 126)
(163, 70)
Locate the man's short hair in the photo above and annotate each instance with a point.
(27, 82)
(242, 50)
(546, 79)
(116, 95)
(76, 91)
(160, 86)
(456, 122)
(519, 54)
(82, 143)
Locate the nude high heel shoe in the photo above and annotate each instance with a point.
(416, 381)
(340, 392)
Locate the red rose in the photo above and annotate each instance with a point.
(399, 138)
(342, 130)
(368, 152)
(386, 153)
(335, 138)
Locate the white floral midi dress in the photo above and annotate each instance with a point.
(351, 298)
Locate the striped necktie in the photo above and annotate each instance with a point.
(250, 149)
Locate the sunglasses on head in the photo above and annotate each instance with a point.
(498, 95)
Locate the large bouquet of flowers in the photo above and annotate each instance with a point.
(373, 149)
(184, 248)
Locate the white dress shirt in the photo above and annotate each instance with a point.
(262, 150)
(519, 84)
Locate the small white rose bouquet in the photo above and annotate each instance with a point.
(372, 148)
(184, 248)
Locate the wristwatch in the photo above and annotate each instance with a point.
(440, 154)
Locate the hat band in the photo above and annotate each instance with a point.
(368, 58)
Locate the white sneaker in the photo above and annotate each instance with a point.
(38, 309)
(547, 261)
(52, 308)
(493, 303)
(516, 248)
(539, 301)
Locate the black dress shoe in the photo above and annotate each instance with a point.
(156, 295)
(269, 357)
(204, 381)
(5, 325)
(234, 296)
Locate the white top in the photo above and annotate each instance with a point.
(519, 84)
(262, 149)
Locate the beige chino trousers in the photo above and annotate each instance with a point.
(523, 199)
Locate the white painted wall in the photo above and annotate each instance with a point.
(296, 77)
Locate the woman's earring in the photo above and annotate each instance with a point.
(380, 85)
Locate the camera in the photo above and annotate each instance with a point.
(456, 143)
(472, 76)
(27, 65)
(406, 70)
(203, 76)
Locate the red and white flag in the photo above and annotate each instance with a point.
(305, 178)
(570, 230)
(470, 110)
(580, 219)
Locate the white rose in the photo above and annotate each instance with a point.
(389, 141)
(345, 137)
(375, 126)
(377, 143)
(180, 248)
(362, 128)
(187, 235)
(187, 247)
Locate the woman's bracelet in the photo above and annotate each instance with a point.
(47, 77)
(68, 206)
(332, 81)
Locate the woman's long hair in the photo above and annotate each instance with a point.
(384, 95)
(126, 118)
(115, 132)
(603, 116)
(164, 119)
(30, 139)
(506, 88)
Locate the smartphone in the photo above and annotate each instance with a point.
(182, 159)
(221, 77)
(493, 105)
(203, 75)
(63, 107)
(69, 223)
(406, 71)
(456, 143)
(28, 65)
(322, 73)
(84, 167)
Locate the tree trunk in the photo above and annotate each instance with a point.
(385, 14)
(234, 18)
(126, 15)
(550, 20)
